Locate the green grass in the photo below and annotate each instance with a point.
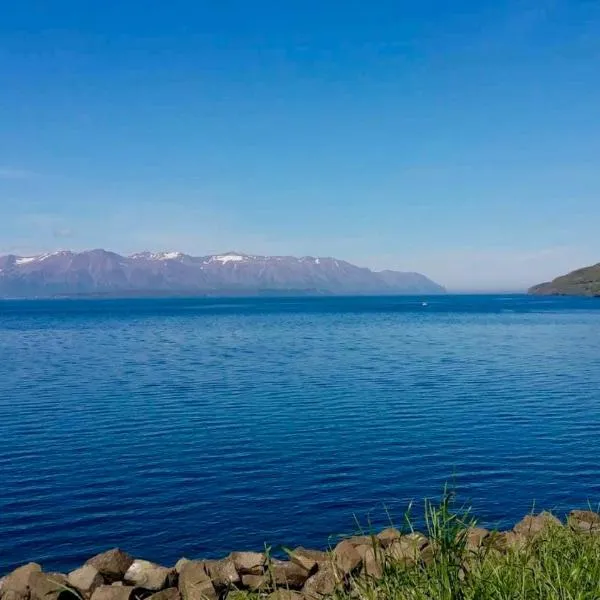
(558, 565)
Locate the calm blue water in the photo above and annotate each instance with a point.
(195, 427)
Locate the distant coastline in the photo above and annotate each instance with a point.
(103, 273)
(581, 282)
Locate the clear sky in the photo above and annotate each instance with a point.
(457, 138)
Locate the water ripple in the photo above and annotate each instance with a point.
(196, 427)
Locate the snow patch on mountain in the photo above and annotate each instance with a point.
(157, 256)
(226, 258)
(25, 260)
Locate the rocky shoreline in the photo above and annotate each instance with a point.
(306, 575)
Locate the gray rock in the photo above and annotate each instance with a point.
(372, 562)
(112, 592)
(388, 536)
(150, 576)
(585, 521)
(249, 563)
(222, 572)
(14, 595)
(474, 538)
(506, 540)
(363, 540)
(309, 559)
(50, 586)
(112, 564)
(195, 583)
(363, 549)
(322, 583)
(535, 525)
(180, 564)
(255, 582)
(287, 574)
(418, 539)
(17, 582)
(85, 580)
(407, 549)
(346, 558)
(60, 578)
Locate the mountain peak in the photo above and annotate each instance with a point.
(171, 272)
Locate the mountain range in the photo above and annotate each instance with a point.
(100, 272)
(582, 282)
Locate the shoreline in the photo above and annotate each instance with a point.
(305, 574)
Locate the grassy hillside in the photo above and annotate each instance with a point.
(583, 282)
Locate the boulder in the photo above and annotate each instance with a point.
(59, 578)
(171, 593)
(180, 564)
(506, 540)
(249, 563)
(285, 595)
(585, 521)
(363, 549)
(372, 562)
(16, 583)
(346, 558)
(194, 582)
(308, 559)
(112, 564)
(322, 583)
(85, 580)
(150, 576)
(287, 574)
(407, 549)
(534, 525)
(14, 595)
(428, 553)
(388, 536)
(474, 538)
(113, 592)
(255, 582)
(50, 586)
(418, 539)
(222, 572)
(363, 540)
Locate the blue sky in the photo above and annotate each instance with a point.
(460, 139)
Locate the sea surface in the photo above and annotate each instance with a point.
(193, 427)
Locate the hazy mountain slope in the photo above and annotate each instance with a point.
(100, 271)
(582, 282)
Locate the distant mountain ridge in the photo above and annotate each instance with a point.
(103, 272)
(582, 282)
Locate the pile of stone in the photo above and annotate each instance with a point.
(307, 575)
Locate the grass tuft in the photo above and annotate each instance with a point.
(559, 564)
